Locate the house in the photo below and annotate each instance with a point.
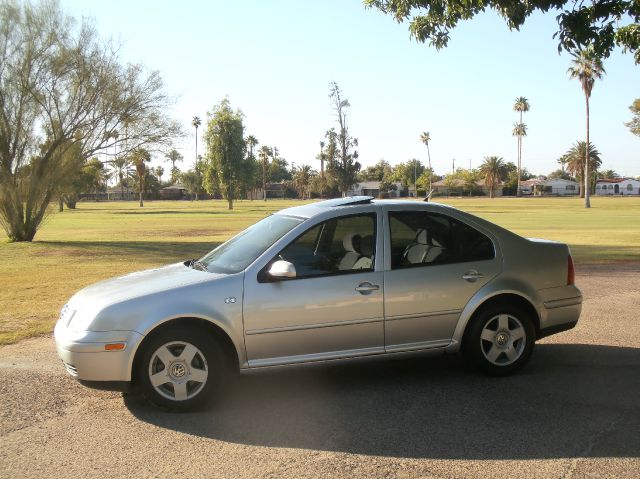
(119, 193)
(618, 186)
(173, 192)
(558, 186)
(530, 187)
(372, 188)
(458, 187)
(554, 186)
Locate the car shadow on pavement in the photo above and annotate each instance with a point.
(572, 400)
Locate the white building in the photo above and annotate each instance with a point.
(618, 186)
(561, 187)
(556, 186)
(372, 188)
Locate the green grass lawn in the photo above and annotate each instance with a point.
(99, 240)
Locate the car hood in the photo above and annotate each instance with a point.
(140, 283)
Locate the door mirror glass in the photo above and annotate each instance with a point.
(282, 270)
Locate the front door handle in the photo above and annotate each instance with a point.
(367, 288)
(472, 275)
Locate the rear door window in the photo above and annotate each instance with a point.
(422, 238)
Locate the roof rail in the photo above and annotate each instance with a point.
(347, 201)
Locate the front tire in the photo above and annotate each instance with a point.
(499, 340)
(181, 369)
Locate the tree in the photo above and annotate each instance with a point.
(264, 154)
(494, 171)
(425, 182)
(191, 181)
(407, 173)
(574, 163)
(426, 138)
(521, 105)
(226, 150)
(159, 171)
(174, 175)
(608, 175)
(121, 169)
(322, 158)
(251, 142)
(89, 176)
(586, 66)
(174, 157)
(343, 167)
(634, 124)
(62, 85)
(604, 25)
(139, 158)
(279, 169)
(379, 172)
(559, 174)
(302, 177)
(196, 122)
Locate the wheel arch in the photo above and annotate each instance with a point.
(474, 308)
(216, 332)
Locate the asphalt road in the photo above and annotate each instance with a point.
(574, 411)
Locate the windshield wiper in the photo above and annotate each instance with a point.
(196, 264)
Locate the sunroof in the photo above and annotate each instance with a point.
(348, 201)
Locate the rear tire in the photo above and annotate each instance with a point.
(499, 340)
(181, 369)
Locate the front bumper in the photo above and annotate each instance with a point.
(84, 356)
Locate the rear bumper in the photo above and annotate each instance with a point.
(84, 356)
(560, 315)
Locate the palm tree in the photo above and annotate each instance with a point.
(494, 171)
(519, 130)
(159, 172)
(426, 138)
(520, 105)
(587, 67)
(321, 157)
(574, 160)
(264, 154)
(139, 157)
(196, 123)
(121, 169)
(252, 142)
(173, 156)
(302, 179)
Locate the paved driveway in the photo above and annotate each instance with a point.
(574, 411)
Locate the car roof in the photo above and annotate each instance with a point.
(310, 210)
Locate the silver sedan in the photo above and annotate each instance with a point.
(345, 278)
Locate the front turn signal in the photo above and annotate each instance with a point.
(114, 346)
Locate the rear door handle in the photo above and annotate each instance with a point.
(367, 288)
(472, 275)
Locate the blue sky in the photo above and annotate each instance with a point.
(274, 60)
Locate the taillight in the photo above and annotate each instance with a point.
(571, 272)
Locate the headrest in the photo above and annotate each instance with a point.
(421, 237)
(351, 242)
(366, 246)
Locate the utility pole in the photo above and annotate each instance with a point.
(453, 170)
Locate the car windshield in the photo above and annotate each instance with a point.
(243, 249)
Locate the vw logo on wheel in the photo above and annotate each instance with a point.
(178, 370)
(502, 339)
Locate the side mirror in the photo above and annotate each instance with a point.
(282, 270)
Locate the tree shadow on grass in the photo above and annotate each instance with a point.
(571, 400)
